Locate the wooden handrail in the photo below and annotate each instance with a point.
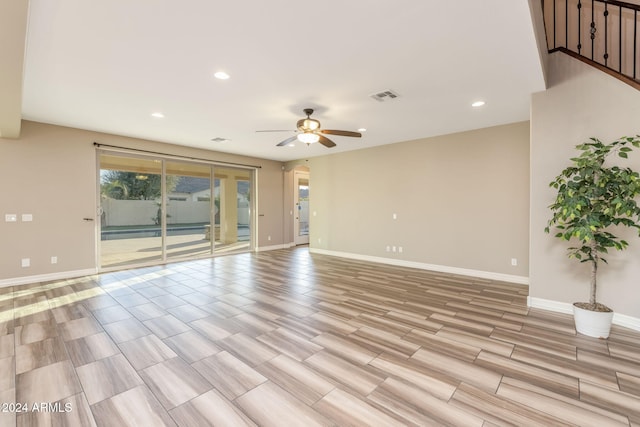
(623, 4)
(622, 77)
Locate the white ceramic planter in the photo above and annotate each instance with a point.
(595, 324)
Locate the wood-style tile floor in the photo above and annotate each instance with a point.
(286, 338)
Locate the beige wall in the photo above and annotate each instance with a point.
(581, 102)
(461, 200)
(50, 172)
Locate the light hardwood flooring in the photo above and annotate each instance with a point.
(125, 252)
(287, 338)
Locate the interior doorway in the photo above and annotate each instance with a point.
(301, 208)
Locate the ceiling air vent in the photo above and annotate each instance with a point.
(385, 95)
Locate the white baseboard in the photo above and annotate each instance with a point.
(547, 304)
(522, 280)
(25, 280)
(272, 248)
(567, 308)
(626, 321)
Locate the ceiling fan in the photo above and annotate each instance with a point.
(309, 132)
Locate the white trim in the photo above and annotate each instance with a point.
(567, 308)
(522, 280)
(626, 321)
(26, 280)
(546, 304)
(275, 247)
(271, 248)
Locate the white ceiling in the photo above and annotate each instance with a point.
(107, 65)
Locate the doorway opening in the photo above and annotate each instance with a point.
(301, 208)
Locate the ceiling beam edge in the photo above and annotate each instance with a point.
(13, 33)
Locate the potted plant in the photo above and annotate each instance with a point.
(594, 199)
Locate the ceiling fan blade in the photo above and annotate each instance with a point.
(341, 132)
(277, 130)
(287, 141)
(326, 141)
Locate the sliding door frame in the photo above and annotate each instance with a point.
(164, 158)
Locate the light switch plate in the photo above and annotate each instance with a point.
(10, 217)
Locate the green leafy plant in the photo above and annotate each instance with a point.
(593, 198)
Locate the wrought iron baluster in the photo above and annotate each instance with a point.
(620, 42)
(554, 24)
(566, 24)
(593, 28)
(606, 34)
(579, 26)
(635, 42)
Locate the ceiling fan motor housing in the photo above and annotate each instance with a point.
(308, 125)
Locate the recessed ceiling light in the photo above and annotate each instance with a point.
(157, 115)
(362, 130)
(478, 104)
(221, 75)
(291, 145)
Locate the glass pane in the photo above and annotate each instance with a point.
(303, 207)
(188, 207)
(233, 213)
(130, 201)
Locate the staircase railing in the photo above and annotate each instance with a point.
(603, 33)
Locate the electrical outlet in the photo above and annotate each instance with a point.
(400, 249)
(269, 238)
(54, 260)
(26, 262)
(393, 248)
(319, 240)
(514, 261)
(10, 218)
(27, 217)
(388, 248)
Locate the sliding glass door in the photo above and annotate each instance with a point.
(154, 210)
(188, 210)
(130, 211)
(233, 212)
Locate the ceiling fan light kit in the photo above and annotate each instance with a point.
(311, 133)
(308, 137)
